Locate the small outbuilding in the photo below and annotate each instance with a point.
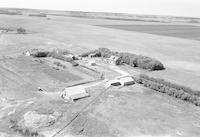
(74, 93)
(115, 82)
(127, 80)
(27, 53)
(92, 63)
(122, 81)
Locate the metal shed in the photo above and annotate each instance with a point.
(128, 80)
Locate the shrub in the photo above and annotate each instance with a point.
(23, 130)
(10, 12)
(141, 61)
(21, 31)
(56, 55)
(40, 54)
(59, 64)
(86, 54)
(59, 54)
(129, 59)
(38, 15)
(106, 53)
(171, 89)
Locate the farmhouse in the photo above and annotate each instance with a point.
(74, 93)
(92, 63)
(27, 53)
(115, 60)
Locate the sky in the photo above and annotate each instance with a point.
(190, 8)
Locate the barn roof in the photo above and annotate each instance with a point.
(126, 79)
(79, 95)
(73, 93)
(74, 90)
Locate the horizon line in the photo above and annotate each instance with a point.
(137, 14)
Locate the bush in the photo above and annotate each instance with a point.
(129, 59)
(21, 31)
(59, 54)
(106, 53)
(141, 61)
(40, 54)
(59, 64)
(86, 54)
(171, 89)
(38, 15)
(23, 130)
(7, 12)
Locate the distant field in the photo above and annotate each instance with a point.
(181, 31)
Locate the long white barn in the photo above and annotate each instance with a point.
(74, 93)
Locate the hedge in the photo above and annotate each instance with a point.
(141, 61)
(58, 54)
(129, 58)
(38, 15)
(21, 31)
(23, 130)
(171, 89)
(40, 54)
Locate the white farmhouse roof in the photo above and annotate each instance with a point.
(69, 55)
(27, 53)
(72, 93)
(92, 63)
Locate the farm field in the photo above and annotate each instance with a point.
(25, 75)
(180, 31)
(117, 111)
